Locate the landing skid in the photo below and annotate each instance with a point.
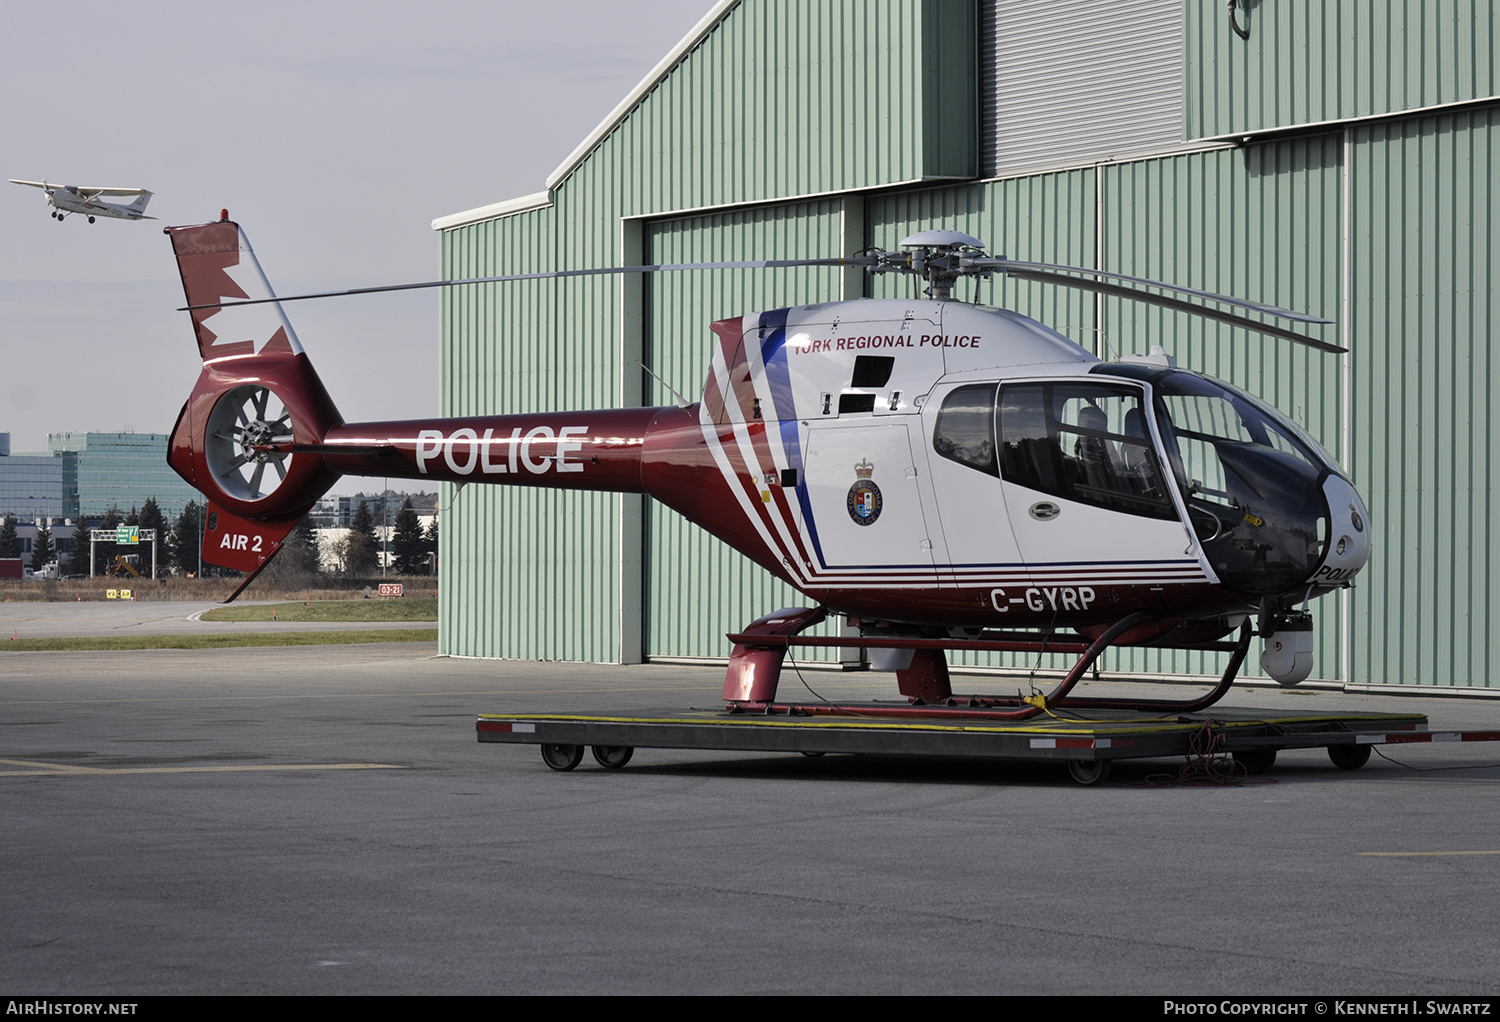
(756, 662)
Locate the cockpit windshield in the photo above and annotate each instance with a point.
(1253, 483)
(1204, 415)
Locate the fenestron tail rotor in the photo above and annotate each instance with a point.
(239, 448)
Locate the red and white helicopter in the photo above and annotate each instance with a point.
(85, 201)
(948, 476)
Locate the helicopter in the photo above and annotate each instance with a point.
(945, 475)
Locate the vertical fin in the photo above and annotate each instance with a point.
(217, 264)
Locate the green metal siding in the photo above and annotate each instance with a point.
(1424, 441)
(1308, 61)
(950, 89)
(537, 565)
(790, 98)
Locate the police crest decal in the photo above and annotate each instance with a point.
(864, 496)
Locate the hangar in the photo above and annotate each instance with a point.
(1335, 160)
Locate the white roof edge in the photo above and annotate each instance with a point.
(695, 36)
(521, 204)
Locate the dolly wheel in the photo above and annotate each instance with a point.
(1349, 757)
(562, 757)
(611, 756)
(1255, 761)
(1088, 771)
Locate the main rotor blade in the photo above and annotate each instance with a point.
(743, 264)
(1004, 265)
(1120, 291)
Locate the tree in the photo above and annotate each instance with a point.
(9, 545)
(152, 518)
(408, 544)
(79, 549)
(338, 553)
(108, 549)
(300, 548)
(432, 542)
(363, 548)
(183, 546)
(41, 549)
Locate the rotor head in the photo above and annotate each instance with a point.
(938, 257)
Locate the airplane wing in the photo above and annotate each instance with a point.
(81, 191)
(95, 192)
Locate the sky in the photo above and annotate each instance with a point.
(333, 132)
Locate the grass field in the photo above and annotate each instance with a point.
(300, 587)
(401, 609)
(219, 640)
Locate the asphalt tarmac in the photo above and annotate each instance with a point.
(322, 820)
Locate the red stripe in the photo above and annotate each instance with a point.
(760, 443)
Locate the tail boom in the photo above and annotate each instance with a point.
(594, 450)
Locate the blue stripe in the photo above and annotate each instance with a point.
(779, 379)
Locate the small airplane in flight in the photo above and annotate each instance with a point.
(67, 199)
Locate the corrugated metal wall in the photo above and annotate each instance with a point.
(1319, 60)
(528, 555)
(1425, 448)
(790, 98)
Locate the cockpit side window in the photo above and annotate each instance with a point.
(965, 429)
(1083, 441)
